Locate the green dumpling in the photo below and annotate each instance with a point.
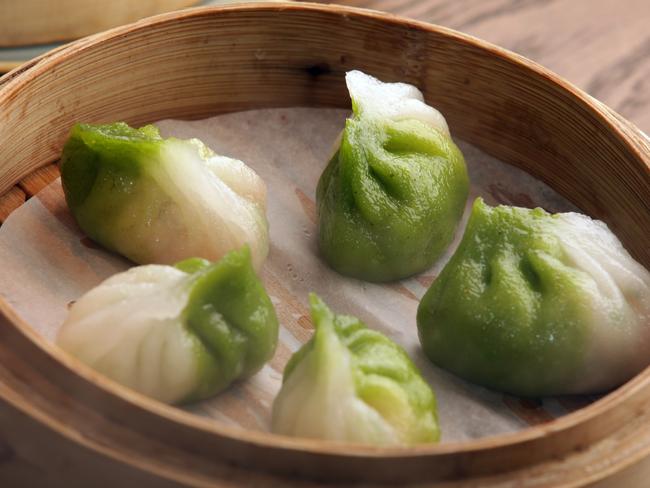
(175, 333)
(536, 304)
(157, 200)
(353, 384)
(393, 193)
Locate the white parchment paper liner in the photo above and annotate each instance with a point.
(47, 263)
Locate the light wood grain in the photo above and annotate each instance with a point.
(9, 65)
(28, 22)
(39, 179)
(26, 188)
(10, 201)
(219, 60)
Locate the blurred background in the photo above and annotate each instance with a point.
(602, 46)
(28, 28)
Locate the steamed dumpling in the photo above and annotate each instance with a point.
(175, 333)
(353, 384)
(536, 304)
(158, 200)
(394, 191)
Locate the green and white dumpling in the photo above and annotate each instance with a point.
(393, 193)
(538, 304)
(175, 333)
(353, 384)
(158, 200)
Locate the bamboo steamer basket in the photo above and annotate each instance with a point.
(56, 413)
(24, 22)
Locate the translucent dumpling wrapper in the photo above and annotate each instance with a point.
(175, 333)
(158, 200)
(536, 304)
(392, 195)
(353, 384)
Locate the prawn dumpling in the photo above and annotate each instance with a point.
(175, 333)
(353, 384)
(158, 200)
(538, 304)
(392, 195)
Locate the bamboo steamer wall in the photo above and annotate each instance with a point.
(199, 63)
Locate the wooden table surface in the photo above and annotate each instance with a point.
(602, 46)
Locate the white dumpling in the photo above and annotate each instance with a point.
(220, 206)
(619, 344)
(175, 334)
(319, 400)
(128, 329)
(396, 101)
(353, 384)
